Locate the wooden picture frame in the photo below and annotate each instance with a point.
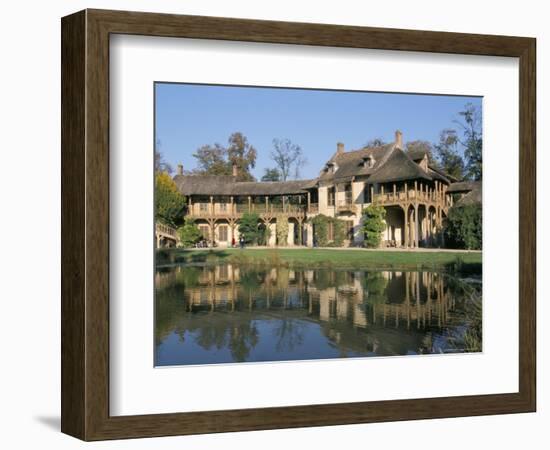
(85, 224)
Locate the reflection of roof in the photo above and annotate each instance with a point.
(352, 163)
(227, 185)
(398, 167)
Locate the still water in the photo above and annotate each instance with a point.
(229, 313)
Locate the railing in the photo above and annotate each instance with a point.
(237, 209)
(394, 197)
(166, 230)
(345, 205)
(313, 208)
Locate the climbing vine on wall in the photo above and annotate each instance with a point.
(282, 230)
(328, 231)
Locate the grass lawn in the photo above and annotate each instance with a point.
(307, 257)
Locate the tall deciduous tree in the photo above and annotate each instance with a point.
(161, 165)
(219, 160)
(472, 140)
(211, 160)
(241, 153)
(288, 157)
(448, 155)
(271, 175)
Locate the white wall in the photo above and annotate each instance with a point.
(30, 288)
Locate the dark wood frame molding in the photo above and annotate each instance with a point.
(85, 224)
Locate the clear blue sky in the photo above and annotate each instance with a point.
(189, 116)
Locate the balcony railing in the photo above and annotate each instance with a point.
(394, 197)
(345, 205)
(236, 209)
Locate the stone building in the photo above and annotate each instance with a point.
(415, 194)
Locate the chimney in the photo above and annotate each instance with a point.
(399, 139)
(340, 148)
(235, 170)
(180, 169)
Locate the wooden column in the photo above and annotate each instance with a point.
(232, 206)
(415, 190)
(266, 203)
(308, 200)
(371, 193)
(406, 192)
(394, 192)
(416, 223)
(211, 205)
(249, 203)
(406, 227)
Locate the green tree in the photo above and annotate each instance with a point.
(189, 233)
(447, 153)
(249, 229)
(464, 227)
(472, 140)
(271, 175)
(211, 160)
(288, 157)
(219, 160)
(241, 153)
(169, 203)
(373, 225)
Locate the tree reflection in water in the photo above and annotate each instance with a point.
(229, 313)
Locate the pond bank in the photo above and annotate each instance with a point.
(440, 260)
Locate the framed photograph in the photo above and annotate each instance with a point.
(273, 225)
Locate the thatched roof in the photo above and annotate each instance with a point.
(475, 196)
(351, 164)
(204, 184)
(398, 167)
(464, 186)
(227, 185)
(417, 155)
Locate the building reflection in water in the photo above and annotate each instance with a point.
(356, 313)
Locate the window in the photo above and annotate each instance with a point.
(222, 233)
(204, 230)
(330, 231)
(331, 195)
(203, 207)
(348, 194)
(223, 207)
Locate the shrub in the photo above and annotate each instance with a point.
(373, 225)
(189, 233)
(463, 227)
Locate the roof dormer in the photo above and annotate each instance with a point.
(331, 167)
(368, 162)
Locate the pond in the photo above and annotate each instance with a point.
(206, 314)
